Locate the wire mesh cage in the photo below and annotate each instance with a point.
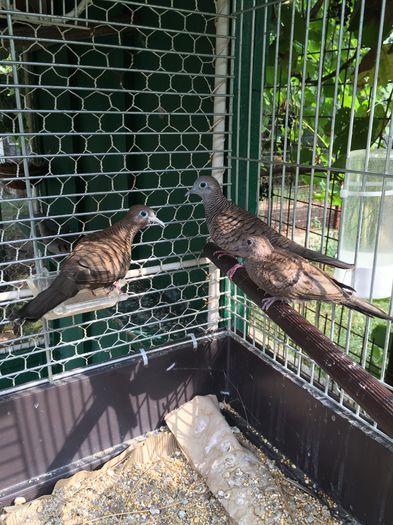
(110, 103)
(322, 91)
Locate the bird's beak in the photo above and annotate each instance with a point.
(156, 220)
(190, 192)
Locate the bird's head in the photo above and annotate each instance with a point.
(205, 186)
(143, 215)
(252, 247)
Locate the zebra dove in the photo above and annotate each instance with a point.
(227, 223)
(287, 276)
(98, 260)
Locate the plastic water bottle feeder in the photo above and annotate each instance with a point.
(367, 216)
(83, 302)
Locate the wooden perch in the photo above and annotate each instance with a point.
(365, 389)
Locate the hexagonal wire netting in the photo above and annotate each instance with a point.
(109, 103)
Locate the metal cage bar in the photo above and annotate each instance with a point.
(119, 101)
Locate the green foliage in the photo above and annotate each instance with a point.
(7, 94)
(312, 115)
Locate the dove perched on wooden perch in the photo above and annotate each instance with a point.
(228, 223)
(287, 276)
(98, 260)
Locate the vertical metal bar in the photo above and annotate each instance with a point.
(228, 285)
(332, 128)
(261, 127)
(30, 191)
(377, 241)
(235, 190)
(350, 133)
(220, 92)
(288, 104)
(316, 121)
(330, 152)
(286, 121)
(299, 143)
(273, 126)
(300, 129)
(239, 47)
(366, 162)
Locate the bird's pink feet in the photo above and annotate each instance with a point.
(231, 272)
(117, 285)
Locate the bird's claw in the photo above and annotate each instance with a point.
(269, 301)
(231, 272)
(117, 285)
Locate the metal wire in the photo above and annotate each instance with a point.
(135, 114)
(126, 115)
(290, 204)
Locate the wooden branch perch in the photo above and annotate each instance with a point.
(365, 389)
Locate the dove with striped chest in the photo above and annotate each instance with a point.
(98, 260)
(287, 276)
(228, 224)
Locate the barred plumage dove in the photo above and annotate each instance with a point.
(228, 223)
(98, 260)
(287, 276)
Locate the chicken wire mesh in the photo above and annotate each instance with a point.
(106, 104)
(109, 103)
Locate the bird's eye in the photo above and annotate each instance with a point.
(203, 185)
(249, 242)
(143, 214)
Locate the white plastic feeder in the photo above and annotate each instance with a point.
(83, 302)
(364, 194)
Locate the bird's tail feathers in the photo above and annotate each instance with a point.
(348, 289)
(60, 290)
(318, 257)
(366, 308)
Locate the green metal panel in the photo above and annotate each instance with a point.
(246, 115)
(247, 97)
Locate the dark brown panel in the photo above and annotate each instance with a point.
(351, 464)
(45, 431)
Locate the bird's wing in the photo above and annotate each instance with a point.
(230, 226)
(313, 283)
(274, 274)
(283, 274)
(95, 263)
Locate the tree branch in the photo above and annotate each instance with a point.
(315, 10)
(329, 75)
